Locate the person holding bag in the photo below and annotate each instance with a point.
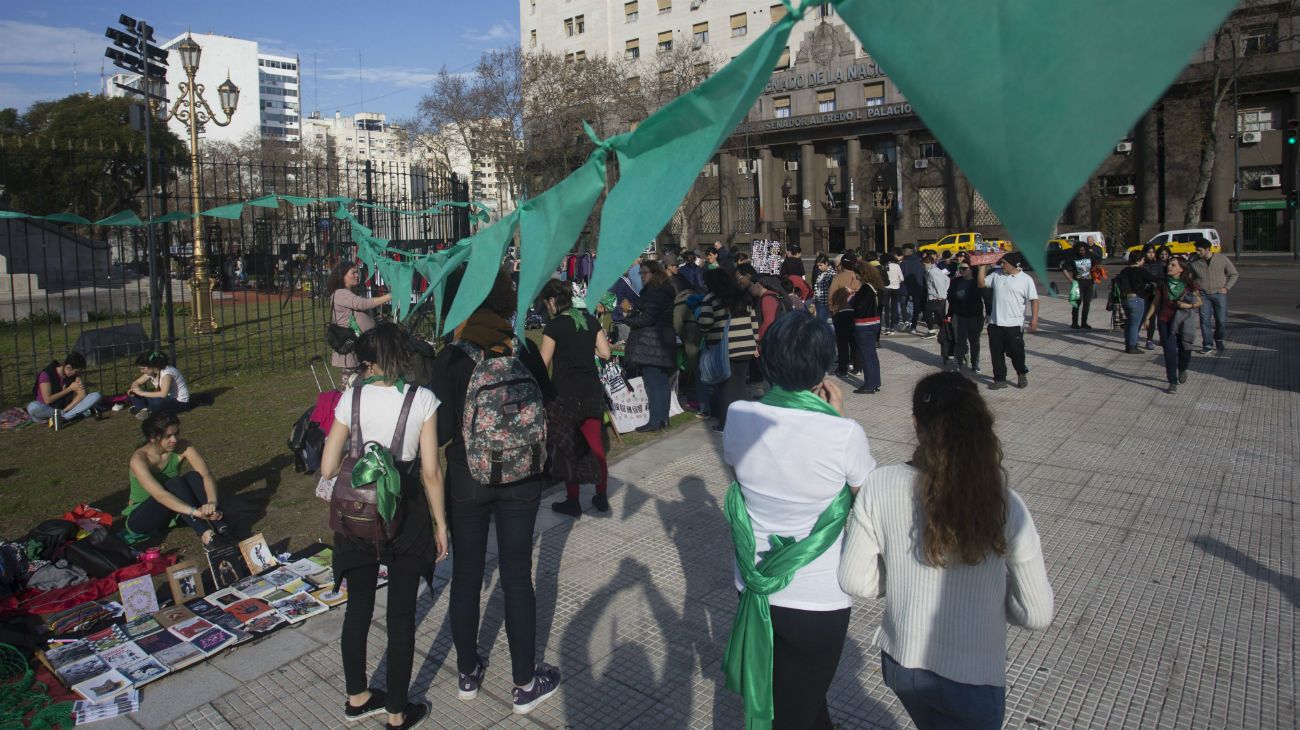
(652, 343)
(866, 304)
(400, 492)
(727, 317)
(798, 462)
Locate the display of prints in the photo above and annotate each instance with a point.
(85, 711)
(227, 565)
(212, 640)
(64, 654)
(324, 558)
(299, 606)
(630, 407)
(142, 626)
(102, 687)
(154, 643)
(266, 622)
(312, 571)
(224, 597)
(108, 638)
(280, 577)
(186, 580)
(254, 587)
(179, 656)
(123, 655)
(192, 628)
(257, 554)
(248, 609)
(145, 672)
(80, 671)
(138, 596)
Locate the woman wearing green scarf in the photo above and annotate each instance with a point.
(410, 501)
(797, 462)
(1177, 310)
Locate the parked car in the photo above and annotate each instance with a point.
(959, 242)
(1183, 241)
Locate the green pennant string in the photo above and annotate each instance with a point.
(64, 218)
(12, 215)
(452, 260)
(226, 212)
(266, 201)
(125, 218)
(659, 161)
(488, 248)
(176, 215)
(550, 224)
(397, 277)
(1027, 120)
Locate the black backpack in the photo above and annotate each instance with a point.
(306, 442)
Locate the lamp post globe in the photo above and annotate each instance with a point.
(229, 96)
(190, 53)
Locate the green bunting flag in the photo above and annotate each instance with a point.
(125, 218)
(488, 248)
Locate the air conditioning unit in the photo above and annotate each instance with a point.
(1251, 137)
(792, 165)
(1123, 148)
(1270, 181)
(1126, 190)
(920, 164)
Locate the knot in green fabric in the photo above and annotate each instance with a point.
(376, 467)
(603, 144)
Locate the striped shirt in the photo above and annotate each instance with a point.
(741, 341)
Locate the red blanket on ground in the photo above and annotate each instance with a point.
(37, 602)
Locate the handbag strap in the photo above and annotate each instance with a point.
(355, 449)
(400, 432)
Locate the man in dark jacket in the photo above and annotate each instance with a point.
(913, 283)
(792, 265)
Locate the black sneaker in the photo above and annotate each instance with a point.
(1022, 381)
(545, 681)
(414, 714)
(600, 502)
(999, 385)
(372, 707)
(569, 507)
(1220, 347)
(864, 390)
(467, 688)
(1173, 388)
(1182, 377)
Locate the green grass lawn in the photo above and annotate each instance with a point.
(242, 437)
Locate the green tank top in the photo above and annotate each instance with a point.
(139, 494)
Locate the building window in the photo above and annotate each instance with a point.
(634, 85)
(1250, 175)
(826, 100)
(778, 12)
(580, 56)
(825, 11)
(873, 94)
(739, 25)
(700, 34)
(630, 12)
(930, 151)
(632, 49)
(568, 58)
(580, 24)
(532, 7)
(1255, 120)
(665, 6)
(532, 39)
(932, 207)
(783, 62)
(781, 105)
(1258, 39)
(665, 41)
(568, 27)
(701, 72)
(1112, 186)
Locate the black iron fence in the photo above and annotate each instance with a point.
(66, 287)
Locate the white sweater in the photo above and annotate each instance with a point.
(951, 621)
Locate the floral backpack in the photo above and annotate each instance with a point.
(504, 423)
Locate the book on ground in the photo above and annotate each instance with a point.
(103, 686)
(142, 626)
(189, 629)
(146, 671)
(213, 640)
(85, 711)
(124, 655)
(298, 607)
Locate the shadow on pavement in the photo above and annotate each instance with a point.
(1287, 585)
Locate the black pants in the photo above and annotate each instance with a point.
(153, 516)
(1006, 341)
(806, 651)
(1079, 314)
(888, 308)
(844, 348)
(404, 575)
(918, 304)
(732, 389)
(473, 507)
(966, 333)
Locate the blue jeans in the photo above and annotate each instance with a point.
(41, 412)
(158, 405)
(703, 393)
(1214, 334)
(824, 315)
(939, 703)
(867, 337)
(657, 392)
(1134, 308)
(1178, 354)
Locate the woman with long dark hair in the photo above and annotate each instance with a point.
(348, 309)
(954, 553)
(389, 412)
(727, 309)
(652, 343)
(1176, 310)
(571, 343)
(161, 493)
(867, 303)
(167, 390)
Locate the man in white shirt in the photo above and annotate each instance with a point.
(1013, 289)
(936, 302)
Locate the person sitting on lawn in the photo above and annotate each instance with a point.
(160, 494)
(59, 394)
(167, 389)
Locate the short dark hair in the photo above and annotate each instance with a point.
(746, 270)
(76, 360)
(560, 291)
(1135, 256)
(385, 346)
(152, 360)
(1015, 259)
(1203, 242)
(797, 351)
(908, 247)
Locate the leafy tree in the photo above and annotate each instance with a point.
(79, 155)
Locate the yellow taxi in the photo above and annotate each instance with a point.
(954, 242)
(1183, 242)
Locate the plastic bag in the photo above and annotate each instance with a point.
(1074, 294)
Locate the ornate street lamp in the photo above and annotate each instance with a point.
(193, 111)
(884, 201)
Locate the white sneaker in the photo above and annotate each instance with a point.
(119, 407)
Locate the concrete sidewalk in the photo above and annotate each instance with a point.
(1167, 521)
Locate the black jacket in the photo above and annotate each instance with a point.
(653, 341)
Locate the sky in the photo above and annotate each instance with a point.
(388, 51)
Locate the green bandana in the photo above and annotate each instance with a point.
(747, 661)
(1176, 288)
(398, 382)
(579, 318)
(376, 467)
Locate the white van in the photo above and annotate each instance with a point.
(1083, 236)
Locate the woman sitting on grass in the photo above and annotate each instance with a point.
(167, 391)
(60, 395)
(160, 493)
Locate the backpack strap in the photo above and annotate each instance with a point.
(355, 449)
(474, 352)
(400, 432)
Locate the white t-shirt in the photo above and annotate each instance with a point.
(895, 276)
(380, 407)
(1011, 293)
(791, 464)
(177, 388)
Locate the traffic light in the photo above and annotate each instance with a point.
(133, 51)
(1293, 199)
(1291, 132)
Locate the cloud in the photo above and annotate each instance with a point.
(504, 31)
(402, 77)
(31, 49)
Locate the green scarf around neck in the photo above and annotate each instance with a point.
(1176, 288)
(399, 382)
(747, 661)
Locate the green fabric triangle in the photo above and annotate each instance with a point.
(228, 212)
(488, 246)
(124, 218)
(175, 215)
(65, 218)
(266, 201)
